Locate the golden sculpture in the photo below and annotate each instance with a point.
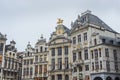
(60, 21)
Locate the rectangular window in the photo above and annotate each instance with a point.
(59, 76)
(80, 55)
(87, 67)
(74, 57)
(116, 66)
(96, 53)
(40, 69)
(31, 69)
(53, 77)
(45, 58)
(92, 54)
(24, 72)
(85, 36)
(95, 42)
(74, 40)
(79, 38)
(1, 47)
(60, 63)
(99, 52)
(40, 58)
(59, 51)
(66, 50)
(86, 54)
(27, 62)
(31, 61)
(24, 62)
(45, 68)
(36, 58)
(106, 52)
(96, 65)
(53, 64)
(92, 65)
(53, 51)
(66, 63)
(115, 54)
(36, 50)
(80, 68)
(45, 49)
(108, 66)
(36, 69)
(27, 71)
(101, 65)
(75, 69)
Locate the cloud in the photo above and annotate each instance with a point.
(26, 20)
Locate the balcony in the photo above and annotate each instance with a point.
(78, 62)
(45, 75)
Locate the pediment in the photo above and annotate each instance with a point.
(59, 40)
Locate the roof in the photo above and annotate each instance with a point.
(13, 42)
(2, 36)
(88, 18)
(41, 40)
(64, 27)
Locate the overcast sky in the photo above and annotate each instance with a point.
(26, 20)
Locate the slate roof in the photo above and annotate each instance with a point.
(67, 30)
(13, 42)
(2, 36)
(89, 18)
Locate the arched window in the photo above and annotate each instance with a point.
(13, 54)
(66, 77)
(98, 78)
(41, 49)
(28, 53)
(108, 78)
(117, 78)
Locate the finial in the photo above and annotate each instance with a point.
(29, 42)
(86, 12)
(41, 36)
(71, 23)
(78, 16)
(60, 21)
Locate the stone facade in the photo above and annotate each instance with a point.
(9, 60)
(90, 50)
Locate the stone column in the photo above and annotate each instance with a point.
(63, 58)
(56, 77)
(3, 61)
(56, 58)
(63, 76)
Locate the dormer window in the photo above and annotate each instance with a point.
(111, 41)
(41, 49)
(83, 20)
(103, 40)
(13, 54)
(95, 42)
(118, 43)
(10, 53)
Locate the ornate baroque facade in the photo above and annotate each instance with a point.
(90, 50)
(10, 60)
